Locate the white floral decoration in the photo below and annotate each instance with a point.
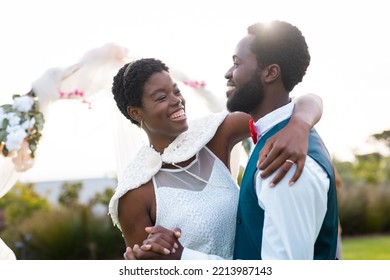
(20, 122)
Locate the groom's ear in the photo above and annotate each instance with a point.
(271, 73)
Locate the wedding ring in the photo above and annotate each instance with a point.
(290, 161)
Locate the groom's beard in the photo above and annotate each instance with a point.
(247, 97)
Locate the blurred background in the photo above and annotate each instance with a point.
(61, 202)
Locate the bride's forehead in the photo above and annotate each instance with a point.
(158, 80)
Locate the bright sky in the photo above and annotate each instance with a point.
(348, 41)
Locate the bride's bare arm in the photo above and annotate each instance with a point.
(291, 143)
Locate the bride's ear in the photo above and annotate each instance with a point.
(135, 114)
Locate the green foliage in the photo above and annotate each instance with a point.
(56, 234)
(352, 208)
(386, 169)
(70, 193)
(369, 169)
(364, 201)
(345, 168)
(364, 209)
(66, 231)
(378, 214)
(21, 202)
(69, 234)
(102, 198)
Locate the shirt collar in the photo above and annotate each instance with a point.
(271, 119)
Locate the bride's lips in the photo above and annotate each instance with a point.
(178, 115)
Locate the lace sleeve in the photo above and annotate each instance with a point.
(144, 166)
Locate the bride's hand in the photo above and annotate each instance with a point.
(160, 244)
(284, 149)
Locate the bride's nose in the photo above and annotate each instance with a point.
(177, 101)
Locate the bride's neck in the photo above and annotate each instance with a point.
(161, 144)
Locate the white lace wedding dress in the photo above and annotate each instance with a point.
(201, 198)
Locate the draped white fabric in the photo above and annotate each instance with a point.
(5, 252)
(8, 175)
(93, 73)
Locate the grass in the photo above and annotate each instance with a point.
(366, 248)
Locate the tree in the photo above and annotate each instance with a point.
(70, 193)
(369, 168)
(383, 137)
(102, 198)
(21, 202)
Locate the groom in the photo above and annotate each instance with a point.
(283, 222)
(286, 222)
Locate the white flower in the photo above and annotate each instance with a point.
(13, 119)
(15, 139)
(2, 116)
(13, 128)
(23, 103)
(28, 123)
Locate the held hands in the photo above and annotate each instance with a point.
(161, 244)
(283, 149)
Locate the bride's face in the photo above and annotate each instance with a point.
(163, 107)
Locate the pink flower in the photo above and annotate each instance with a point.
(195, 84)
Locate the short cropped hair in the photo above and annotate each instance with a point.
(281, 43)
(130, 80)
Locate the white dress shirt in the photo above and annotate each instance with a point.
(293, 214)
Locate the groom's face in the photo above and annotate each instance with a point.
(245, 89)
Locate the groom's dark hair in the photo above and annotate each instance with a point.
(282, 43)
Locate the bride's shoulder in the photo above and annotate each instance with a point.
(138, 172)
